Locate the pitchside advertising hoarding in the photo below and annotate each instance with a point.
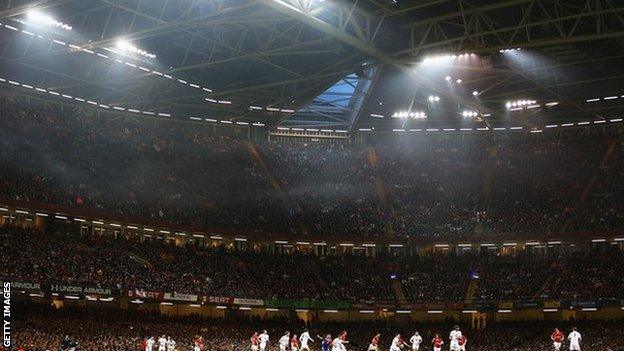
(144, 294)
(161, 296)
(307, 304)
(25, 286)
(73, 289)
(226, 300)
(62, 288)
(85, 290)
(205, 299)
(552, 304)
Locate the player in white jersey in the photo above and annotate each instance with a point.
(397, 343)
(162, 343)
(575, 340)
(338, 344)
(305, 338)
(283, 341)
(416, 340)
(454, 337)
(264, 340)
(171, 344)
(149, 344)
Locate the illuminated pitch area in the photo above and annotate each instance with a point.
(101, 329)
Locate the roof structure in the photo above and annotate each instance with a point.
(336, 64)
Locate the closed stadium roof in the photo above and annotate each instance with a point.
(323, 64)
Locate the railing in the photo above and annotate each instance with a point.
(88, 216)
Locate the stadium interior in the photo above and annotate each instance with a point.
(207, 170)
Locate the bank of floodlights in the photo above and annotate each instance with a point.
(36, 17)
(408, 114)
(126, 46)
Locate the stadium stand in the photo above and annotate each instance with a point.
(436, 186)
(102, 260)
(215, 168)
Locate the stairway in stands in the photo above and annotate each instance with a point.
(140, 260)
(398, 291)
(288, 202)
(471, 291)
(486, 189)
(142, 263)
(316, 269)
(373, 160)
(256, 156)
(547, 282)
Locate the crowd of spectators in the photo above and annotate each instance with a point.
(587, 275)
(38, 328)
(434, 185)
(512, 277)
(33, 256)
(153, 265)
(358, 278)
(507, 184)
(437, 278)
(333, 185)
(138, 169)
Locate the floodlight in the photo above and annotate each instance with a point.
(37, 17)
(434, 98)
(126, 46)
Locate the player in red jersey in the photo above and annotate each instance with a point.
(557, 338)
(255, 342)
(462, 342)
(294, 343)
(198, 343)
(437, 343)
(374, 344)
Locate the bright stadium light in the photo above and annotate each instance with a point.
(519, 104)
(434, 98)
(468, 113)
(437, 59)
(126, 46)
(447, 78)
(37, 17)
(407, 114)
(445, 58)
(475, 93)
